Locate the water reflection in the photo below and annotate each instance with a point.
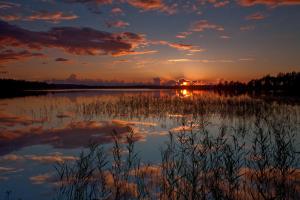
(184, 93)
(72, 135)
(59, 125)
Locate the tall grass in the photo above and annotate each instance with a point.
(238, 162)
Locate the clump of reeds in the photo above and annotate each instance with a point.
(240, 162)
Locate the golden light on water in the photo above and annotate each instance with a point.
(184, 93)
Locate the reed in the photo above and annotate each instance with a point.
(237, 163)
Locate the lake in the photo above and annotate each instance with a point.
(40, 132)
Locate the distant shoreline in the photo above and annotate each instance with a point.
(282, 84)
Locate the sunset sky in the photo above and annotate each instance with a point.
(137, 40)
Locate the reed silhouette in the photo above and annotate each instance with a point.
(252, 155)
(236, 163)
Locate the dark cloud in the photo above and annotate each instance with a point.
(89, 1)
(12, 55)
(61, 59)
(268, 2)
(74, 40)
(93, 6)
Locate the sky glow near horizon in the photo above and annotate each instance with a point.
(137, 40)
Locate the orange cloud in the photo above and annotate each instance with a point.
(134, 53)
(10, 17)
(9, 170)
(152, 5)
(54, 17)
(40, 179)
(203, 25)
(179, 46)
(51, 158)
(180, 60)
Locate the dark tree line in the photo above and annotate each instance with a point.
(286, 83)
(283, 83)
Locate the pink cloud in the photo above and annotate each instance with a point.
(183, 35)
(117, 24)
(256, 16)
(5, 5)
(117, 11)
(203, 25)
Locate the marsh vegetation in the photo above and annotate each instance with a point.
(253, 152)
(156, 144)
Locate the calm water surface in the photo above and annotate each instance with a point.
(38, 131)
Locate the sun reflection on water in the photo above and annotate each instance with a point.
(184, 93)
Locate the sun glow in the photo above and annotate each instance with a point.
(184, 93)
